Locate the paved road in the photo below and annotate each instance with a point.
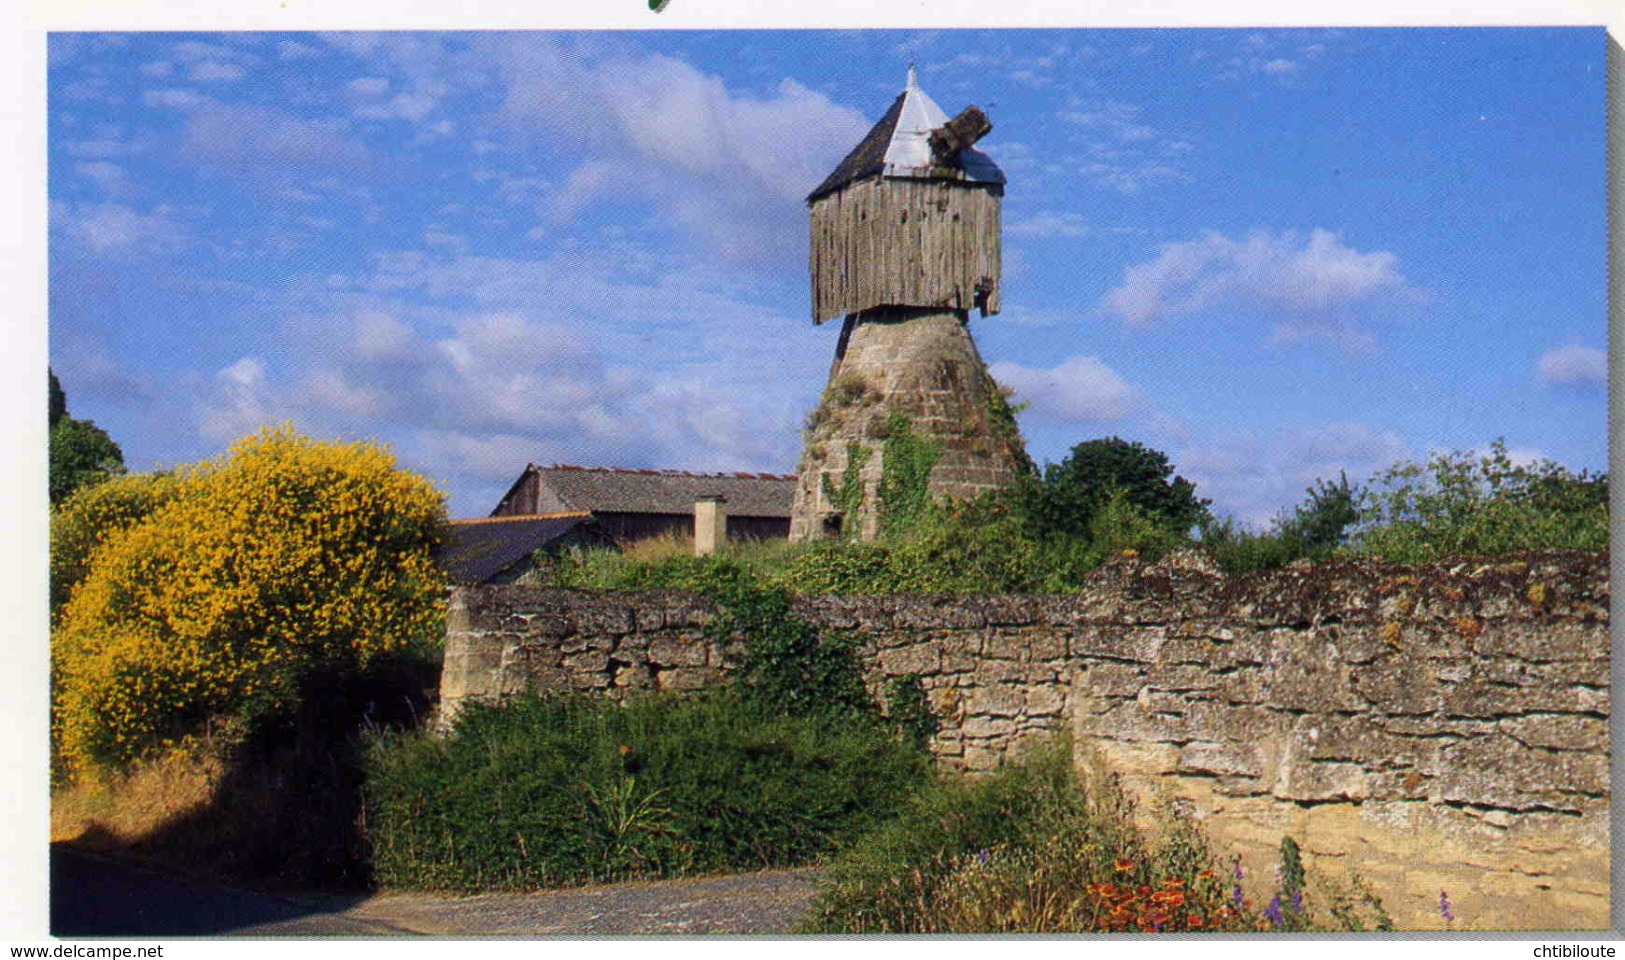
(95, 897)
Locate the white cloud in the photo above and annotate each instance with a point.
(110, 178)
(157, 68)
(115, 228)
(731, 167)
(1255, 477)
(1312, 286)
(1078, 390)
(215, 70)
(1048, 225)
(1120, 150)
(174, 98)
(269, 146)
(368, 86)
(1572, 366)
(237, 401)
(1279, 66)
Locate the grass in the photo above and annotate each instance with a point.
(550, 791)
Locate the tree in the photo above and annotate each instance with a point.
(1322, 522)
(81, 453)
(58, 402)
(1074, 490)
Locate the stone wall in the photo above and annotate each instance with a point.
(1441, 728)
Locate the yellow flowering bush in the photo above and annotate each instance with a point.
(283, 555)
(94, 513)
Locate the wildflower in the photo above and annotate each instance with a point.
(982, 855)
(1297, 901)
(1272, 913)
(1444, 908)
(1235, 894)
(1171, 898)
(1173, 883)
(625, 749)
(1122, 865)
(1236, 868)
(1194, 921)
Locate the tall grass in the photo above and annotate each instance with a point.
(549, 791)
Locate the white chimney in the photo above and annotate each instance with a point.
(710, 525)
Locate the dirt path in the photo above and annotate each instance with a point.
(768, 902)
(95, 897)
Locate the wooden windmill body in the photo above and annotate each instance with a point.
(905, 243)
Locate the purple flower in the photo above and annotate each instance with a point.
(1235, 892)
(1444, 907)
(1297, 901)
(1272, 913)
(1236, 868)
(981, 855)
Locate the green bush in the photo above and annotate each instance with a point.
(553, 791)
(1458, 504)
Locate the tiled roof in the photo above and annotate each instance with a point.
(475, 551)
(665, 491)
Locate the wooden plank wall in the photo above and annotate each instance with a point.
(904, 242)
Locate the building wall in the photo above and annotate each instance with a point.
(1433, 729)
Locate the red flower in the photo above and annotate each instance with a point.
(1122, 865)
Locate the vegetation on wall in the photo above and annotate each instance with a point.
(904, 495)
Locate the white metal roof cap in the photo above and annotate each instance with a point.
(909, 152)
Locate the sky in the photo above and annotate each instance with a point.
(1273, 255)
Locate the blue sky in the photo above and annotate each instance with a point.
(1271, 254)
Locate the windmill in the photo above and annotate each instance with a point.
(905, 244)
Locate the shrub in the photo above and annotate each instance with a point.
(1460, 504)
(284, 556)
(95, 514)
(548, 791)
(1029, 849)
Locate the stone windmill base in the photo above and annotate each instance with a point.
(917, 367)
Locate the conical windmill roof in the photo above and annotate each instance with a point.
(899, 146)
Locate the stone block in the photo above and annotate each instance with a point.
(1223, 759)
(1046, 700)
(1558, 732)
(998, 700)
(920, 658)
(1110, 679)
(1320, 782)
(590, 661)
(676, 652)
(982, 727)
(680, 679)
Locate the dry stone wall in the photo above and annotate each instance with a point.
(1432, 729)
